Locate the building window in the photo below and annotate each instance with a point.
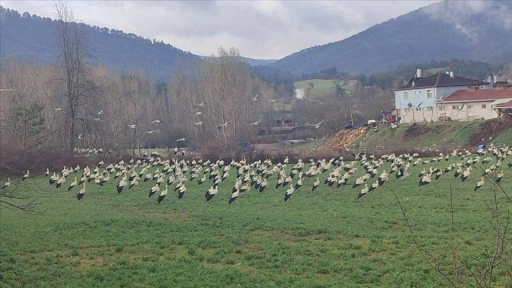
(429, 93)
(430, 108)
(441, 108)
(406, 95)
(455, 107)
(469, 106)
(484, 106)
(406, 110)
(418, 108)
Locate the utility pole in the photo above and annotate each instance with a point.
(350, 109)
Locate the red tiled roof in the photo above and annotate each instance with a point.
(441, 80)
(478, 95)
(504, 105)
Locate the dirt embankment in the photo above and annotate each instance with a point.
(344, 138)
(416, 130)
(490, 129)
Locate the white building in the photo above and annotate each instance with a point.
(299, 93)
(475, 104)
(416, 101)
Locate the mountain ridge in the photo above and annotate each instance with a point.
(409, 37)
(32, 38)
(440, 31)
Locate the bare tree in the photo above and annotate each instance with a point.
(234, 99)
(78, 87)
(216, 105)
(19, 196)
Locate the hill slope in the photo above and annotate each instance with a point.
(445, 30)
(427, 136)
(33, 38)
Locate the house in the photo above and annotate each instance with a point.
(504, 109)
(416, 101)
(300, 93)
(475, 104)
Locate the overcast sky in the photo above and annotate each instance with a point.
(259, 29)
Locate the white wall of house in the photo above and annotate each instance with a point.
(299, 93)
(418, 114)
(415, 97)
(425, 98)
(467, 111)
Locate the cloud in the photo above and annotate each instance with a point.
(259, 29)
(460, 15)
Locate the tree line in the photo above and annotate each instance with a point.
(218, 101)
(45, 105)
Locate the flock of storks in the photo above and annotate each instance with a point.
(174, 173)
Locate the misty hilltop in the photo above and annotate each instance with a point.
(445, 30)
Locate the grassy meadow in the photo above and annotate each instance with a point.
(322, 238)
(321, 87)
(430, 136)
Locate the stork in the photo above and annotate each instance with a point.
(81, 193)
(162, 195)
(289, 192)
(212, 191)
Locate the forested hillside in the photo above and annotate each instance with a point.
(30, 37)
(441, 31)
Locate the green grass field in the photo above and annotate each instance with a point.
(325, 238)
(431, 136)
(322, 87)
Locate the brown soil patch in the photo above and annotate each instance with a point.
(278, 235)
(87, 263)
(345, 138)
